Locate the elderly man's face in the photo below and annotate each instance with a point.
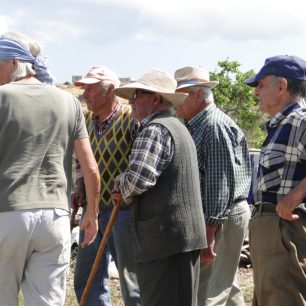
(142, 104)
(189, 108)
(267, 91)
(96, 97)
(7, 67)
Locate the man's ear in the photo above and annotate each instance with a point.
(157, 99)
(110, 90)
(200, 96)
(15, 63)
(283, 85)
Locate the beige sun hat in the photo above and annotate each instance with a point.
(154, 80)
(193, 76)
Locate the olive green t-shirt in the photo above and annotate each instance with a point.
(38, 126)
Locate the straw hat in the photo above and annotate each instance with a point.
(193, 76)
(154, 80)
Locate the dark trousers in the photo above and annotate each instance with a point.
(170, 281)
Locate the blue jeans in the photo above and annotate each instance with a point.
(120, 247)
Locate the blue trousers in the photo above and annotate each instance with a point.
(120, 247)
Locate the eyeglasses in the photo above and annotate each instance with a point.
(138, 93)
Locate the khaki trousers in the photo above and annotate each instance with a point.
(34, 255)
(278, 254)
(218, 280)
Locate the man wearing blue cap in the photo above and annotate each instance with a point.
(277, 229)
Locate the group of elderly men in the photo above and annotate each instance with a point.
(181, 187)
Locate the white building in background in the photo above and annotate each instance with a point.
(75, 78)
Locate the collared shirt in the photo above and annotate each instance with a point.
(102, 127)
(152, 152)
(223, 162)
(282, 163)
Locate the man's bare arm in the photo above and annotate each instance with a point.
(92, 184)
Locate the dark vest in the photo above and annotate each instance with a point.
(168, 219)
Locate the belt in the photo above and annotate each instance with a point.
(239, 200)
(270, 208)
(265, 207)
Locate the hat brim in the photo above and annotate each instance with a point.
(127, 91)
(253, 81)
(211, 84)
(86, 81)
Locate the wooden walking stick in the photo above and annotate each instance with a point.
(99, 254)
(72, 218)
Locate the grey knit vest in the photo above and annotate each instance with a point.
(168, 219)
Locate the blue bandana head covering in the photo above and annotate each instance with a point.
(10, 48)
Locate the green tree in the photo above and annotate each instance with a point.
(238, 101)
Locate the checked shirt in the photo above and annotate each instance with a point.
(223, 162)
(282, 163)
(151, 154)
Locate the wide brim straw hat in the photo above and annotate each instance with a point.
(193, 76)
(154, 80)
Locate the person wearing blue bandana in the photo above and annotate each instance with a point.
(13, 47)
(278, 227)
(40, 127)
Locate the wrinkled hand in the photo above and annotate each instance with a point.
(208, 254)
(116, 197)
(287, 204)
(78, 198)
(89, 224)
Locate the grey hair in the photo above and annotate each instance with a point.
(105, 84)
(32, 45)
(297, 88)
(24, 69)
(208, 95)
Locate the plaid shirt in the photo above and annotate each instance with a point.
(152, 152)
(282, 163)
(223, 159)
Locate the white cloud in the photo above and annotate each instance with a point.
(4, 24)
(134, 34)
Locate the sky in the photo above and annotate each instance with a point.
(132, 36)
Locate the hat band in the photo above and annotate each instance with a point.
(193, 82)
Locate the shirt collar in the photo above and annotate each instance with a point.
(278, 117)
(202, 114)
(110, 116)
(148, 119)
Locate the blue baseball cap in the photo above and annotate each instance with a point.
(286, 66)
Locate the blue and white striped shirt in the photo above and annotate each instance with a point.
(224, 165)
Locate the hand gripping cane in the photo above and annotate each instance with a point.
(99, 254)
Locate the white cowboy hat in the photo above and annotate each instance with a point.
(193, 76)
(154, 80)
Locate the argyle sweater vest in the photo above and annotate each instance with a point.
(111, 151)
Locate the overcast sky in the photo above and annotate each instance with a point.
(131, 36)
